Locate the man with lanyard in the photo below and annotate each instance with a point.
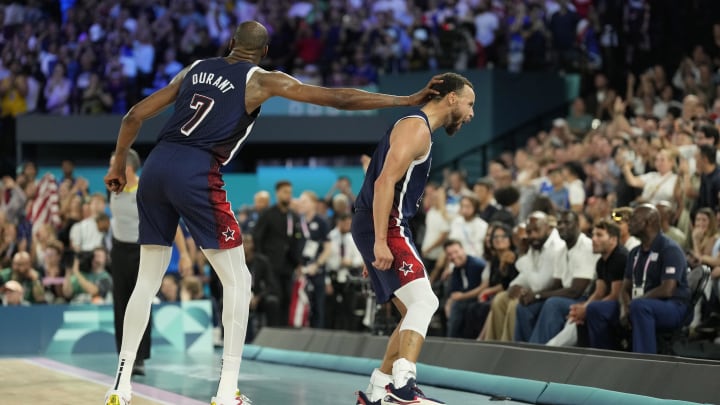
(315, 251)
(655, 290)
(277, 237)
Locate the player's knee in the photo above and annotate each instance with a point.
(421, 304)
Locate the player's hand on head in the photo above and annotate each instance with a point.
(427, 92)
(383, 256)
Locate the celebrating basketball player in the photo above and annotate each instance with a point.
(216, 102)
(389, 198)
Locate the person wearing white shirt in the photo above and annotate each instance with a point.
(437, 228)
(658, 185)
(536, 270)
(86, 235)
(469, 228)
(343, 261)
(543, 315)
(574, 178)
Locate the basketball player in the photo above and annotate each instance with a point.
(216, 102)
(389, 198)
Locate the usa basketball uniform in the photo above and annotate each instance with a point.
(407, 264)
(181, 176)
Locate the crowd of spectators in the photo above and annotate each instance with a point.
(491, 245)
(100, 56)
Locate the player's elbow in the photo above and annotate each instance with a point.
(132, 117)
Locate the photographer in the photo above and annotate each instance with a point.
(90, 286)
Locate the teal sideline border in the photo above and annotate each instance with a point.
(531, 391)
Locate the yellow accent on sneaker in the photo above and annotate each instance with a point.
(114, 399)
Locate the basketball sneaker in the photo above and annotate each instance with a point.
(114, 397)
(409, 394)
(239, 399)
(364, 400)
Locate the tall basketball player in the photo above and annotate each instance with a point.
(216, 102)
(389, 198)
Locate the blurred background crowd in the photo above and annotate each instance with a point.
(644, 130)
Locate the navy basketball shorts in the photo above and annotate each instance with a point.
(181, 181)
(407, 265)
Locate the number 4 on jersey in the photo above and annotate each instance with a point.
(202, 106)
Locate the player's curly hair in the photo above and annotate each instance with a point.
(450, 82)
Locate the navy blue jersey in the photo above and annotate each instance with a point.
(210, 109)
(408, 190)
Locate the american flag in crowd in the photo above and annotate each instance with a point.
(45, 209)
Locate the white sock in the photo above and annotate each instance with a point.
(402, 371)
(378, 381)
(154, 260)
(124, 372)
(229, 264)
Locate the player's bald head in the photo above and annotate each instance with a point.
(251, 36)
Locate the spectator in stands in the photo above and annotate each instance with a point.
(667, 213)
(342, 186)
(465, 285)
(30, 279)
(468, 228)
(88, 287)
(261, 201)
(657, 185)
(53, 272)
(456, 189)
(343, 262)
(44, 235)
(14, 294)
(542, 315)
(555, 189)
(95, 99)
(496, 278)
(536, 269)
(703, 235)
(315, 251)
(57, 91)
(622, 216)
(655, 291)
(609, 273)
(169, 289)
(483, 190)
(88, 234)
(509, 200)
(574, 179)
(13, 91)
(276, 236)
(265, 300)
(191, 289)
(579, 121)
(12, 199)
(437, 228)
(706, 165)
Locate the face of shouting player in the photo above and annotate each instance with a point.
(461, 112)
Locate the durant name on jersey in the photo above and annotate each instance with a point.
(209, 78)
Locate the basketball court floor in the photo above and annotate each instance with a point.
(186, 380)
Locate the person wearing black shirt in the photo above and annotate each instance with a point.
(277, 237)
(465, 284)
(264, 299)
(709, 178)
(609, 273)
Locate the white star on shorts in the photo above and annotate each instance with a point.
(406, 268)
(229, 234)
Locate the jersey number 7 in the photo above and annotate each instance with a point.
(202, 106)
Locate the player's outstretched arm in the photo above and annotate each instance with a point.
(283, 85)
(409, 140)
(130, 126)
